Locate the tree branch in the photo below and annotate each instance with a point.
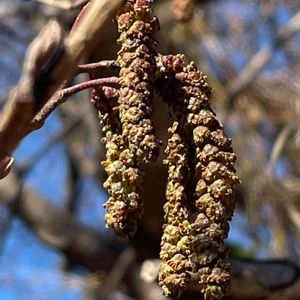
(56, 227)
(262, 57)
(62, 95)
(98, 65)
(65, 4)
(49, 61)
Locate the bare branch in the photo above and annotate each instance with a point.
(56, 227)
(119, 270)
(279, 144)
(62, 95)
(65, 4)
(250, 71)
(262, 57)
(98, 65)
(50, 60)
(290, 28)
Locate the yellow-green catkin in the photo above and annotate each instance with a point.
(211, 162)
(137, 141)
(119, 214)
(137, 61)
(175, 243)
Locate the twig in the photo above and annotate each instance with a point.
(50, 60)
(65, 4)
(261, 58)
(62, 95)
(287, 30)
(90, 84)
(250, 71)
(278, 147)
(98, 65)
(118, 271)
(294, 215)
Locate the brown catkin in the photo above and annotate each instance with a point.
(136, 145)
(121, 211)
(137, 61)
(175, 243)
(211, 161)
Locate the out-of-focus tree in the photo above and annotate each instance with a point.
(249, 49)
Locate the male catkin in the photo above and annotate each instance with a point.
(210, 198)
(137, 141)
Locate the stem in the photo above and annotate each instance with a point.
(98, 65)
(67, 92)
(62, 95)
(50, 60)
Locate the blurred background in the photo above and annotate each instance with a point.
(53, 240)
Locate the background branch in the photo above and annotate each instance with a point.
(262, 57)
(56, 227)
(65, 4)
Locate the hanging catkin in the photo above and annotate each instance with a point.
(137, 141)
(175, 243)
(211, 162)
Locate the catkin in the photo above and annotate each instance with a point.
(175, 243)
(121, 206)
(211, 162)
(137, 145)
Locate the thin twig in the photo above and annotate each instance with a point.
(294, 215)
(261, 58)
(65, 4)
(118, 271)
(250, 71)
(98, 65)
(62, 95)
(279, 144)
(67, 92)
(50, 61)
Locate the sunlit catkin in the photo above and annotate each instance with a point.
(211, 162)
(175, 243)
(139, 145)
(121, 208)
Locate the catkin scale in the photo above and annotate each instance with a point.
(122, 207)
